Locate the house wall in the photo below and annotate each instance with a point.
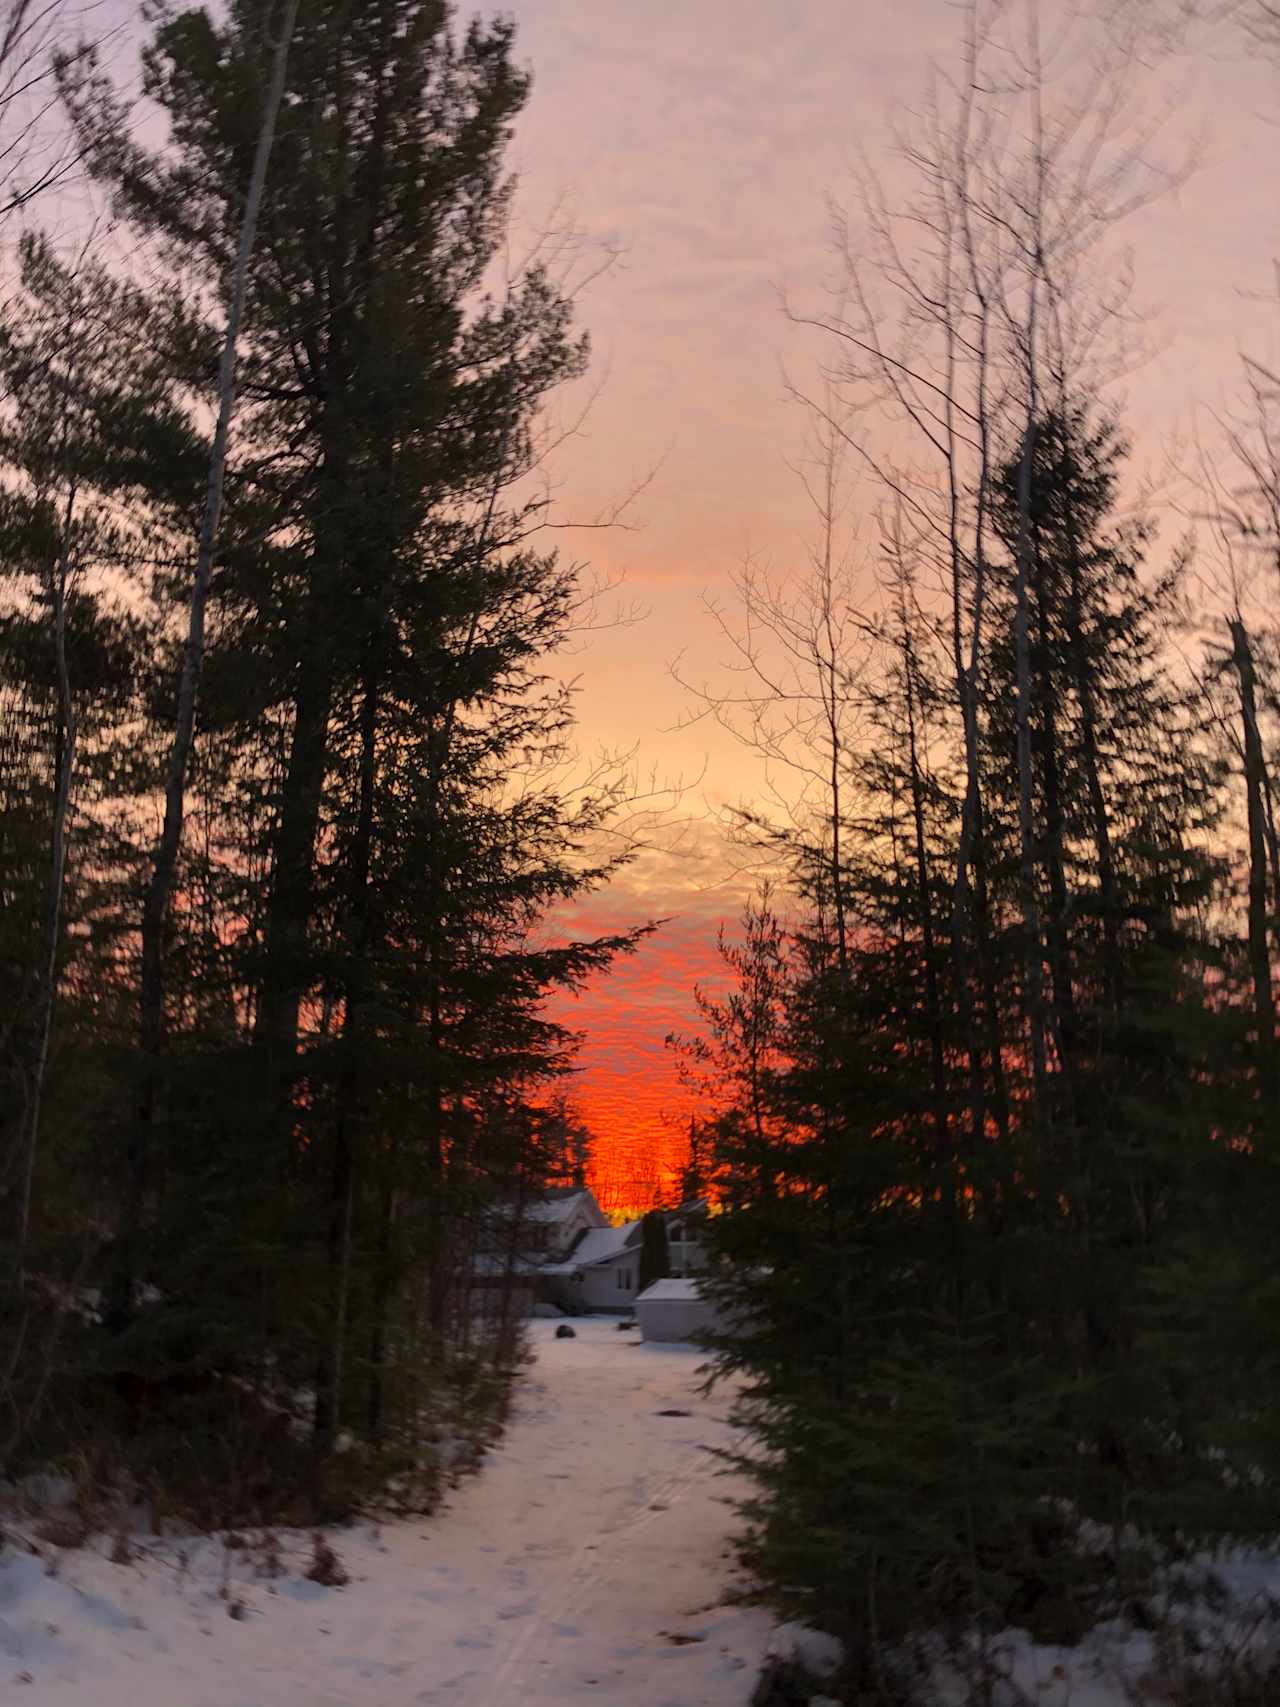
(686, 1252)
(686, 1256)
(599, 1288)
(559, 1289)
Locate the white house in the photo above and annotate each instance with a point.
(674, 1310)
(518, 1240)
(550, 1229)
(685, 1247)
(600, 1273)
(561, 1250)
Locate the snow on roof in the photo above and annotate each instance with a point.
(556, 1208)
(686, 1289)
(601, 1244)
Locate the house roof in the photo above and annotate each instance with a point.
(603, 1244)
(557, 1209)
(595, 1246)
(688, 1290)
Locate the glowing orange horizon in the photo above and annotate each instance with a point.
(627, 1087)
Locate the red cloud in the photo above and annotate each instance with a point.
(628, 1087)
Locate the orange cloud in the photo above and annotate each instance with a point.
(628, 1086)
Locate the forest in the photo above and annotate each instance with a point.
(281, 811)
(995, 1069)
(988, 1104)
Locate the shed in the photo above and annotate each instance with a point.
(674, 1310)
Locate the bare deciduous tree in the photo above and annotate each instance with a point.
(36, 149)
(965, 311)
(796, 647)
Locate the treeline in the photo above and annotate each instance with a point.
(282, 806)
(996, 1071)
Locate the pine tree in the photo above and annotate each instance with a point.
(957, 1338)
(378, 726)
(98, 455)
(655, 1254)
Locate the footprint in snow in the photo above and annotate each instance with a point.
(524, 1610)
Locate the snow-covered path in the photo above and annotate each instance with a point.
(588, 1561)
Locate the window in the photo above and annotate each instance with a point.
(624, 1280)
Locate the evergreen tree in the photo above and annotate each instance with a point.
(958, 1337)
(655, 1253)
(355, 1051)
(97, 452)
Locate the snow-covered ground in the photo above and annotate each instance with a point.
(589, 1560)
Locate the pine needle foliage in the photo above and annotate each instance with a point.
(966, 1304)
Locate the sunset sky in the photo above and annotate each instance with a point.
(705, 139)
(704, 142)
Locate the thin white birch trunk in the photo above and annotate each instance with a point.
(160, 889)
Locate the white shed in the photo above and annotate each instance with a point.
(674, 1310)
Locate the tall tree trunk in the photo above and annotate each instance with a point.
(384, 1281)
(964, 927)
(829, 680)
(985, 950)
(289, 908)
(1273, 840)
(287, 966)
(65, 759)
(1032, 961)
(155, 912)
(966, 930)
(933, 1001)
(1083, 683)
(1062, 999)
(351, 1118)
(1062, 1002)
(1264, 1007)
